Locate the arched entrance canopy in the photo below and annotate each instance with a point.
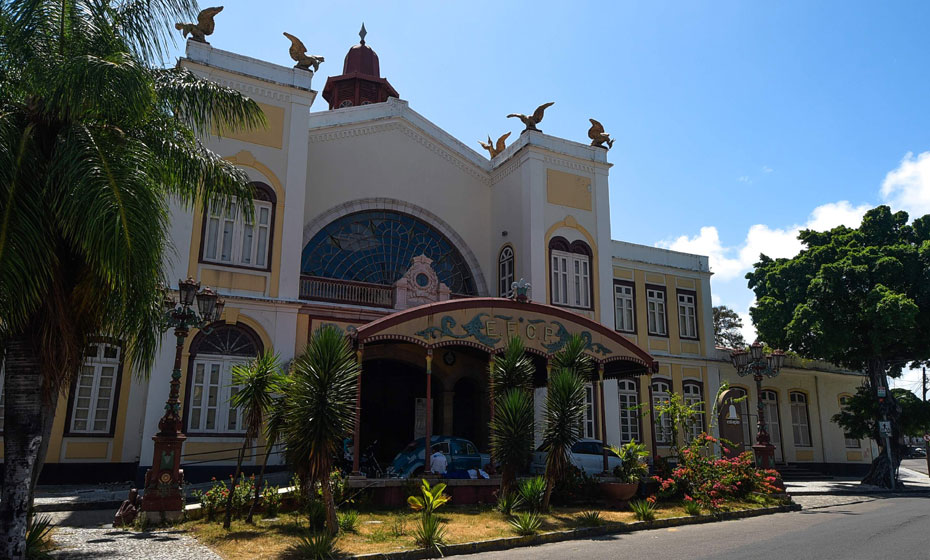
(487, 324)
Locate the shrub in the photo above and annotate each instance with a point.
(271, 501)
(316, 546)
(242, 494)
(431, 498)
(38, 538)
(645, 510)
(509, 502)
(212, 499)
(574, 487)
(632, 465)
(429, 532)
(526, 523)
(316, 515)
(691, 507)
(590, 519)
(348, 521)
(532, 491)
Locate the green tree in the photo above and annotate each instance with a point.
(564, 409)
(512, 434)
(255, 384)
(95, 142)
(859, 414)
(512, 369)
(727, 325)
(859, 298)
(320, 411)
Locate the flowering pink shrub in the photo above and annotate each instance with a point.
(709, 480)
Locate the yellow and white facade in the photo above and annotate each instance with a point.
(364, 211)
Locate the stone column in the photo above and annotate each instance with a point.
(429, 417)
(603, 414)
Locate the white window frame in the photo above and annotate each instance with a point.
(800, 427)
(850, 442)
(505, 271)
(624, 308)
(687, 315)
(100, 397)
(198, 412)
(656, 312)
(661, 393)
(249, 240)
(693, 395)
(571, 279)
(743, 407)
(628, 400)
(589, 422)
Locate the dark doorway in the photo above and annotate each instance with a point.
(389, 391)
(465, 409)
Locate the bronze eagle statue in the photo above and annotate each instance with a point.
(298, 52)
(534, 119)
(491, 148)
(204, 26)
(598, 136)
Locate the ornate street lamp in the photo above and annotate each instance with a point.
(164, 480)
(757, 364)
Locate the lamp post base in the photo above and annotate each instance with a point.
(164, 482)
(765, 455)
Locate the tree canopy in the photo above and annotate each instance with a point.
(727, 325)
(859, 415)
(851, 296)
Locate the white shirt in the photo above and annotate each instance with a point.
(438, 463)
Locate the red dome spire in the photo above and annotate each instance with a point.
(361, 82)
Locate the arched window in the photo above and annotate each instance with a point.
(661, 392)
(800, 420)
(209, 379)
(628, 397)
(505, 273)
(232, 238)
(693, 396)
(772, 421)
(851, 442)
(743, 407)
(571, 282)
(377, 247)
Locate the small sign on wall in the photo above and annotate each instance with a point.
(419, 422)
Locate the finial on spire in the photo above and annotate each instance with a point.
(362, 33)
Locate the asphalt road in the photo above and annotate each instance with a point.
(882, 528)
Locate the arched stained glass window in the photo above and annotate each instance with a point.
(377, 246)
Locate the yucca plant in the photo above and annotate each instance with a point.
(691, 507)
(97, 141)
(320, 407)
(316, 546)
(512, 434)
(509, 502)
(532, 492)
(590, 519)
(254, 385)
(526, 523)
(644, 510)
(429, 532)
(39, 538)
(512, 369)
(564, 415)
(348, 521)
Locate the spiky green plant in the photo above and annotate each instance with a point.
(254, 385)
(532, 492)
(644, 510)
(39, 538)
(429, 532)
(348, 521)
(320, 410)
(97, 141)
(509, 502)
(589, 519)
(315, 546)
(512, 431)
(691, 507)
(512, 369)
(564, 414)
(526, 523)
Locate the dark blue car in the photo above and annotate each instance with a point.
(460, 453)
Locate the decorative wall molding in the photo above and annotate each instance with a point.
(252, 89)
(569, 164)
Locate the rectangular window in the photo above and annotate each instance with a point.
(211, 390)
(655, 311)
(234, 238)
(589, 410)
(623, 308)
(687, 315)
(629, 420)
(694, 398)
(851, 442)
(661, 392)
(571, 279)
(800, 423)
(94, 390)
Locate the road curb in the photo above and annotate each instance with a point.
(508, 543)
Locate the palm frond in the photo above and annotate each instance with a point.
(512, 369)
(256, 382)
(205, 106)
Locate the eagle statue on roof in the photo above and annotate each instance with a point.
(204, 26)
(532, 120)
(298, 52)
(495, 149)
(598, 136)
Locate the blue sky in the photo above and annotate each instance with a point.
(735, 122)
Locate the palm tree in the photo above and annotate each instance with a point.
(255, 382)
(512, 434)
(564, 409)
(321, 410)
(273, 428)
(95, 142)
(512, 369)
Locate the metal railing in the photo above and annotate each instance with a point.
(346, 291)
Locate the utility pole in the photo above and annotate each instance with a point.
(926, 439)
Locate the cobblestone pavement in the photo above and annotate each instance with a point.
(117, 544)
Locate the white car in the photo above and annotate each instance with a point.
(587, 455)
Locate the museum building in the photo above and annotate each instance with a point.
(373, 219)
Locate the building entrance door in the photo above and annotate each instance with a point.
(772, 423)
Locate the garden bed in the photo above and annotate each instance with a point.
(468, 529)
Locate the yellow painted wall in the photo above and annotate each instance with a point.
(86, 450)
(271, 135)
(568, 189)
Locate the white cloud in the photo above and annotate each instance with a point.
(734, 261)
(908, 186)
(767, 169)
(744, 179)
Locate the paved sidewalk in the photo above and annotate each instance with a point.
(117, 544)
(913, 482)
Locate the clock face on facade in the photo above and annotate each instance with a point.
(449, 357)
(164, 477)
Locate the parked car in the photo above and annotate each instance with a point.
(915, 452)
(587, 455)
(460, 453)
